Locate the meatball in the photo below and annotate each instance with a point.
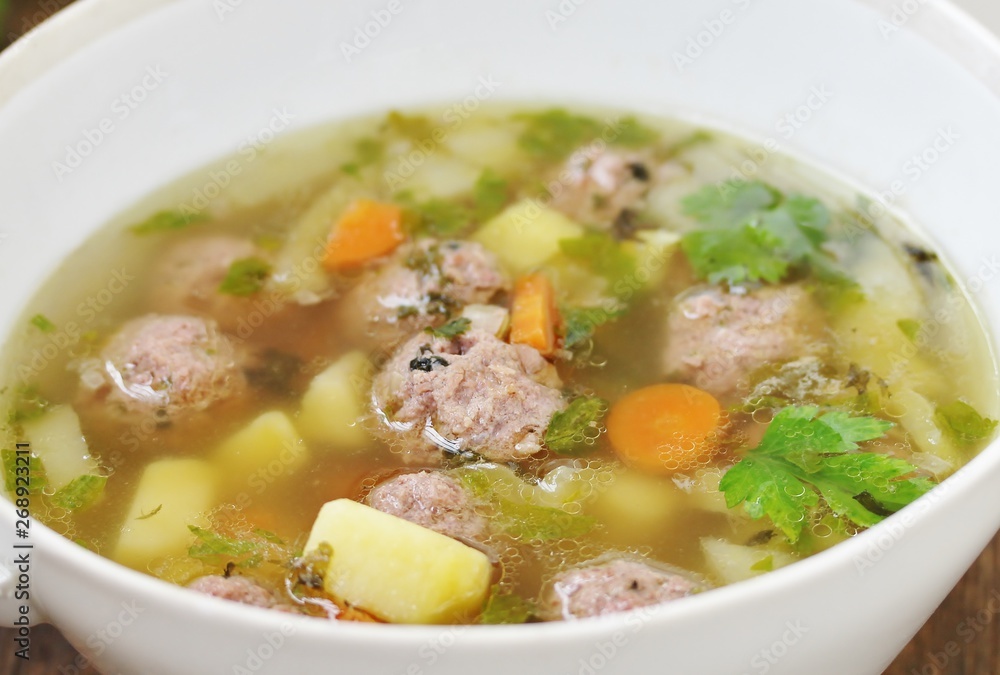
(421, 285)
(601, 186)
(432, 500)
(164, 367)
(474, 392)
(186, 279)
(235, 588)
(607, 588)
(716, 339)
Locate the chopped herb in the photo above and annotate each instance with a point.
(571, 428)
(452, 329)
(80, 493)
(602, 254)
(152, 513)
(35, 475)
(427, 363)
(805, 458)
(406, 311)
(29, 405)
(274, 371)
(434, 217)
(42, 323)
(489, 195)
(211, 545)
(267, 535)
(245, 277)
(580, 323)
(910, 328)
(963, 423)
(554, 134)
(166, 221)
(755, 233)
(413, 127)
(310, 568)
(506, 608)
(632, 134)
(765, 564)
(367, 151)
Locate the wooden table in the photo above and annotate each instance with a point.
(948, 644)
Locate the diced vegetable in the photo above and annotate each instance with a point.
(367, 230)
(636, 505)
(335, 402)
(665, 428)
(732, 562)
(166, 221)
(526, 235)
(396, 570)
(533, 315)
(57, 440)
(245, 277)
(491, 319)
(181, 492)
(269, 443)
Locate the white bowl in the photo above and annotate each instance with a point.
(212, 73)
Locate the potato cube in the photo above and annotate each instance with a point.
(336, 401)
(269, 443)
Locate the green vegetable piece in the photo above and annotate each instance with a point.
(765, 564)
(963, 423)
(166, 221)
(910, 328)
(80, 492)
(506, 608)
(630, 133)
(570, 429)
(147, 516)
(245, 277)
(434, 217)
(452, 329)
(28, 405)
(580, 323)
(42, 323)
(805, 458)
(489, 195)
(730, 204)
(602, 254)
(211, 545)
(367, 151)
(413, 127)
(35, 476)
(553, 134)
(735, 256)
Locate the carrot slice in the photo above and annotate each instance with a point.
(533, 314)
(367, 230)
(665, 428)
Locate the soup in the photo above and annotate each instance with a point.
(522, 365)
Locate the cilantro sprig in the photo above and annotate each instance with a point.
(753, 232)
(806, 459)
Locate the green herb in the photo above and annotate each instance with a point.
(35, 475)
(963, 423)
(245, 277)
(166, 221)
(452, 329)
(804, 460)
(765, 564)
(580, 323)
(29, 405)
(629, 132)
(521, 519)
(910, 328)
(602, 254)
(755, 233)
(489, 195)
(152, 513)
(554, 134)
(506, 608)
(367, 151)
(413, 127)
(80, 493)
(570, 428)
(42, 323)
(434, 217)
(211, 545)
(269, 536)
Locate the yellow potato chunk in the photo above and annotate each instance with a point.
(335, 402)
(398, 571)
(526, 235)
(172, 494)
(269, 443)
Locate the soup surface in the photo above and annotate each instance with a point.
(517, 365)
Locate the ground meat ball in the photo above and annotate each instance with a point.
(617, 586)
(716, 339)
(186, 278)
(431, 500)
(421, 285)
(164, 367)
(235, 588)
(600, 186)
(476, 393)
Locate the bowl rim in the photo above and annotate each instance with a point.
(80, 24)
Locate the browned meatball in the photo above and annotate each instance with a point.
(421, 285)
(165, 367)
(716, 339)
(474, 392)
(600, 186)
(616, 586)
(235, 588)
(187, 277)
(432, 500)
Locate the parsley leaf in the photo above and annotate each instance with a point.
(730, 203)
(553, 134)
(506, 608)
(631, 133)
(580, 323)
(570, 428)
(452, 329)
(35, 476)
(42, 323)
(805, 457)
(146, 516)
(435, 217)
(166, 221)
(963, 423)
(80, 493)
(735, 256)
(910, 328)
(489, 195)
(367, 151)
(211, 545)
(245, 277)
